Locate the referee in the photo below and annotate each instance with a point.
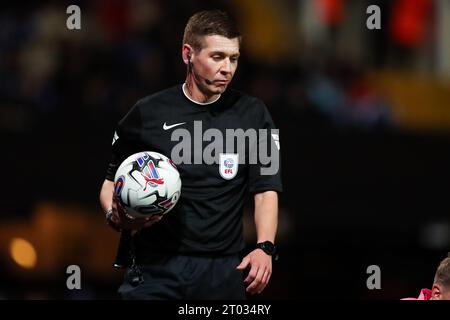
(194, 251)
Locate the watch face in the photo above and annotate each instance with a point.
(268, 247)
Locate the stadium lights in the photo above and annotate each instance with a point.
(23, 253)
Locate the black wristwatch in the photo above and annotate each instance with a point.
(269, 248)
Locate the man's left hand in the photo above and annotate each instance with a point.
(260, 270)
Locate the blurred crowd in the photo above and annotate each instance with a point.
(128, 49)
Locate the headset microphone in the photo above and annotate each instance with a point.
(208, 82)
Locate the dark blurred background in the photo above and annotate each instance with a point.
(364, 118)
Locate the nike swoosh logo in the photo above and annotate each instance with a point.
(166, 127)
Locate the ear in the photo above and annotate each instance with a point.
(436, 292)
(187, 53)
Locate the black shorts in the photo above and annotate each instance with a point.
(183, 277)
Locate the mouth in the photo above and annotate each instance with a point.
(221, 82)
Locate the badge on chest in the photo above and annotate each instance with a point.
(228, 165)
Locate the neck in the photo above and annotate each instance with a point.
(194, 92)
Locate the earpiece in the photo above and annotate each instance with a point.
(189, 63)
(209, 82)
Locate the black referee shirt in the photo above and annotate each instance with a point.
(208, 216)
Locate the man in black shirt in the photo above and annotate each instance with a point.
(220, 141)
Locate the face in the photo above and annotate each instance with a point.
(214, 65)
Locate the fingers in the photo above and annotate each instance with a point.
(151, 221)
(121, 212)
(264, 281)
(140, 223)
(259, 281)
(244, 263)
(155, 218)
(266, 278)
(125, 221)
(252, 275)
(119, 217)
(257, 278)
(260, 271)
(112, 223)
(116, 209)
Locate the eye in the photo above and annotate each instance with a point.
(217, 58)
(234, 59)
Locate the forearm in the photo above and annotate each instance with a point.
(106, 195)
(266, 215)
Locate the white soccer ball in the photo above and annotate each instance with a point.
(146, 184)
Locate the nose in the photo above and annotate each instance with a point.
(226, 67)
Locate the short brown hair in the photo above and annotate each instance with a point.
(442, 275)
(208, 23)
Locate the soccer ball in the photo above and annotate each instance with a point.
(146, 184)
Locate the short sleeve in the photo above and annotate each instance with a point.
(265, 175)
(126, 141)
